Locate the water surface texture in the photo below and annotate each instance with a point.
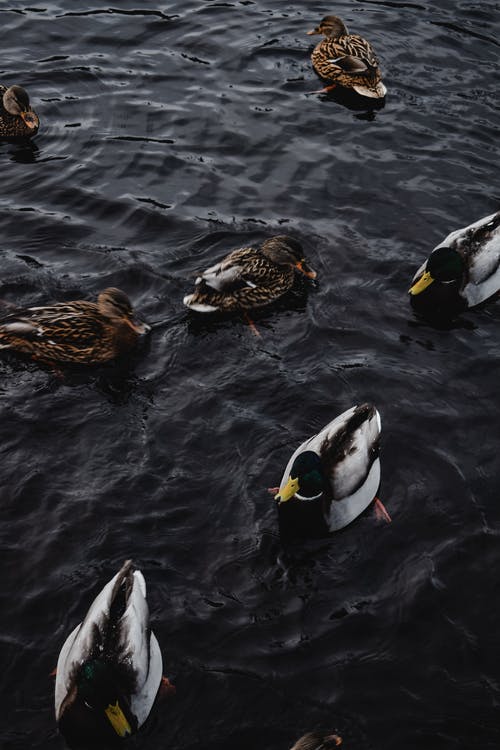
(171, 134)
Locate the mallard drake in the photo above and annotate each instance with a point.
(249, 277)
(17, 118)
(110, 666)
(346, 59)
(77, 332)
(318, 741)
(338, 469)
(461, 272)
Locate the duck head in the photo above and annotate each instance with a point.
(306, 479)
(97, 688)
(115, 303)
(445, 265)
(330, 26)
(17, 102)
(285, 251)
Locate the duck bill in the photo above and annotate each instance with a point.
(424, 281)
(313, 31)
(303, 268)
(139, 327)
(30, 119)
(118, 720)
(288, 491)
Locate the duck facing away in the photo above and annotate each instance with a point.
(250, 277)
(17, 118)
(77, 332)
(110, 666)
(318, 741)
(337, 471)
(346, 60)
(461, 272)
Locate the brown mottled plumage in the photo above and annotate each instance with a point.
(346, 59)
(17, 118)
(74, 332)
(250, 277)
(318, 741)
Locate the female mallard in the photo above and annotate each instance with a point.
(17, 119)
(338, 469)
(110, 667)
(461, 271)
(250, 277)
(74, 332)
(318, 741)
(346, 60)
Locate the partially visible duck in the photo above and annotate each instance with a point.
(250, 277)
(76, 332)
(336, 471)
(346, 59)
(461, 272)
(110, 666)
(17, 118)
(319, 740)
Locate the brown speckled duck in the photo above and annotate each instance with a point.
(17, 118)
(346, 60)
(77, 332)
(249, 277)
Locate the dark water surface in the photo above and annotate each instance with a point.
(171, 134)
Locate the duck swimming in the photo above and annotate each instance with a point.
(250, 277)
(338, 469)
(110, 666)
(77, 332)
(17, 118)
(346, 60)
(461, 272)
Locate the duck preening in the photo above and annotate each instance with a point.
(337, 470)
(110, 666)
(78, 332)
(250, 277)
(346, 60)
(17, 118)
(461, 272)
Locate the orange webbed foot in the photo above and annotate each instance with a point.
(326, 89)
(166, 687)
(251, 325)
(380, 511)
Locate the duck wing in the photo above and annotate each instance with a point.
(230, 274)
(479, 245)
(77, 326)
(354, 45)
(349, 453)
(139, 648)
(349, 54)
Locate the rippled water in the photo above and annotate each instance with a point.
(169, 136)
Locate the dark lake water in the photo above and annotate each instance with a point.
(171, 134)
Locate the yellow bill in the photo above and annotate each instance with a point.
(424, 281)
(118, 720)
(288, 491)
